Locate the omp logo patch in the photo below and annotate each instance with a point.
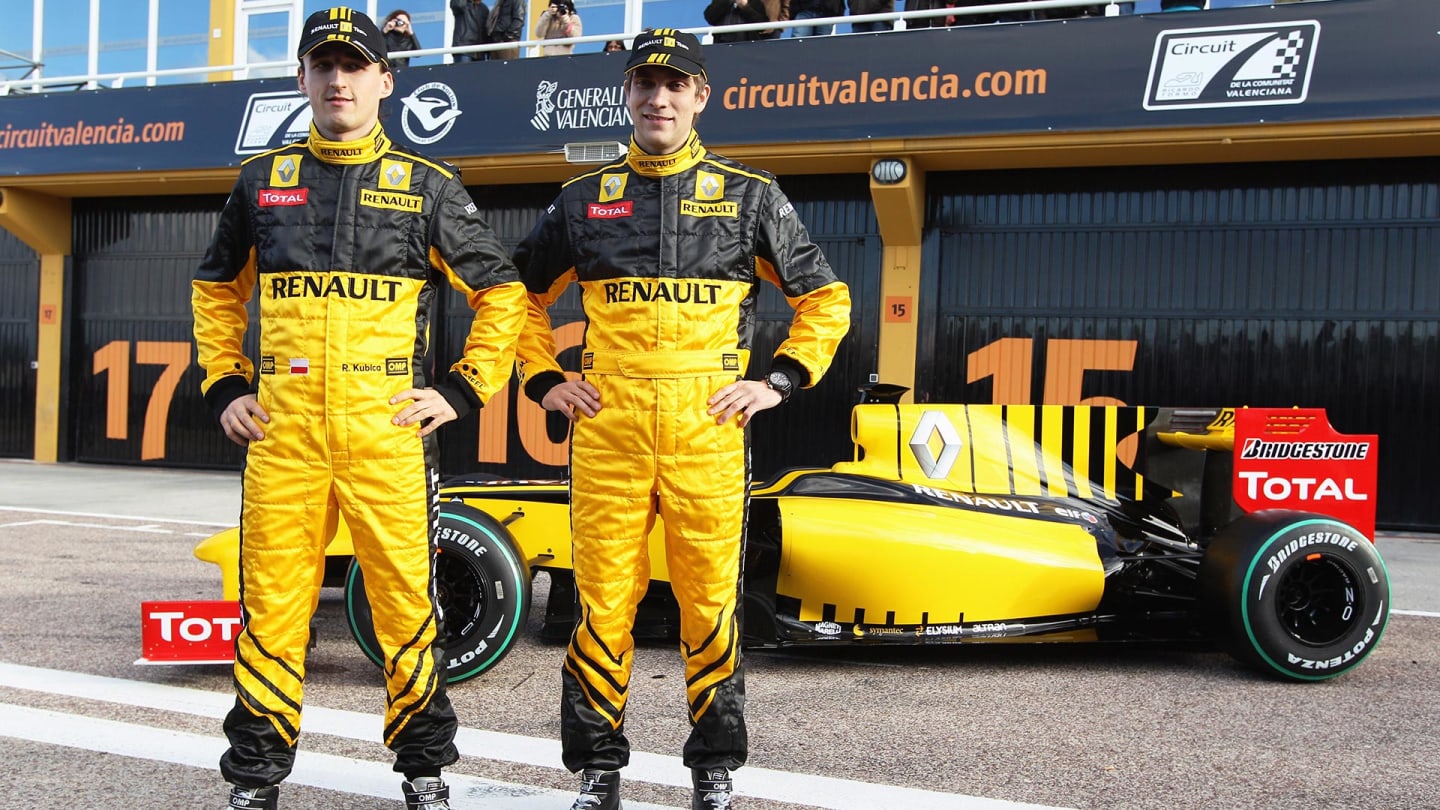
(267, 364)
(273, 120)
(730, 362)
(397, 366)
(394, 201)
(1237, 65)
(285, 171)
(625, 208)
(612, 186)
(695, 208)
(395, 174)
(290, 196)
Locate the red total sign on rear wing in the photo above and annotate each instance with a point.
(193, 632)
(1294, 459)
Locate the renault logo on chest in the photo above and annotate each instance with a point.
(285, 171)
(394, 175)
(612, 186)
(709, 186)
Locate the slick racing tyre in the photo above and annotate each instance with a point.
(1297, 595)
(483, 585)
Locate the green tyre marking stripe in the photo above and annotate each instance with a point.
(373, 655)
(1245, 599)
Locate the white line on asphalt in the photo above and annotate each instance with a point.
(804, 789)
(1426, 613)
(353, 776)
(73, 524)
(140, 518)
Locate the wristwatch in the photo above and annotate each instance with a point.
(780, 382)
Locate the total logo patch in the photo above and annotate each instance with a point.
(270, 197)
(617, 210)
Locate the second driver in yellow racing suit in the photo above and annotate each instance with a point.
(669, 247)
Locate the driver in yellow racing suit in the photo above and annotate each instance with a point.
(345, 239)
(668, 246)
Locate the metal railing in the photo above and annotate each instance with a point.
(530, 47)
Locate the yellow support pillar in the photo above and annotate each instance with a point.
(898, 192)
(222, 38)
(43, 222)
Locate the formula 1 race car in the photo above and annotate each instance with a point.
(980, 523)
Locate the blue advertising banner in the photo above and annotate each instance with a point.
(1324, 61)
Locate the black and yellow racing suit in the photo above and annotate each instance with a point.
(347, 244)
(668, 251)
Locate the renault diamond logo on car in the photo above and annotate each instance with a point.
(931, 425)
(1232, 66)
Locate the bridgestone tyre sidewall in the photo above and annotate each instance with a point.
(1241, 578)
(472, 547)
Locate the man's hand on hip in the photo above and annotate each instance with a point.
(427, 408)
(572, 398)
(743, 399)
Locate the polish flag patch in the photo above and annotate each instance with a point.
(299, 365)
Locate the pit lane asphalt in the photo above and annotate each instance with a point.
(1064, 726)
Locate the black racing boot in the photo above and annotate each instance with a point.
(713, 789)
(426, 793)
(599, 790)
(264, 798)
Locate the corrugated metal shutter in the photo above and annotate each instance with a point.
(813, 428)
(502, 450)
(1289, 284)
(136, 388)
(20, 279)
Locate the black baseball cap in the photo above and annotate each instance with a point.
(667, 47)
(341, 24)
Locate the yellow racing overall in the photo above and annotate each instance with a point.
(668, 251)
(347, 245)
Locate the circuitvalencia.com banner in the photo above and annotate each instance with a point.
(90, 133)
(1333, 61)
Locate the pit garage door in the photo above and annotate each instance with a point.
(1311, 284)
(19, 330)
